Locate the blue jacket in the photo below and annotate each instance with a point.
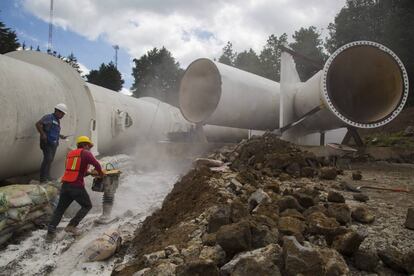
(51, 126)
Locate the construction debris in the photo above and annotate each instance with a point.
(265, 217)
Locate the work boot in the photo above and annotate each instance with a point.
(72, 230)
(50, 236)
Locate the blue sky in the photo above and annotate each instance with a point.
(34, 31)
(188, 29)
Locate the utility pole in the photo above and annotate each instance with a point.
(116, 47)
(49, 44)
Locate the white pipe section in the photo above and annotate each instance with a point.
(32, 83)
(363, 84)
(217, 94)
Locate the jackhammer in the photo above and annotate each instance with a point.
(108, 185)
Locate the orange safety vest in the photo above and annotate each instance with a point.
(73, 162)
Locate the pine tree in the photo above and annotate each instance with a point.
(156, 74)
(228, 56)
(270, 57)
(106, 76)
(8, 39)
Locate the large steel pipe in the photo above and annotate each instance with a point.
(363, 84)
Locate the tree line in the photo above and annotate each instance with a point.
(157, 73)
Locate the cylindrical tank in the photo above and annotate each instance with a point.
(217, 94)
(30, 86)
(363, 84)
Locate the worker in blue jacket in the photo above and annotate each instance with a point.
(49, 128)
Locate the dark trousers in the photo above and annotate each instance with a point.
(68, 194)
(49, 151)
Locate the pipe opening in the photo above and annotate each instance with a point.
(200, 90)
(365, 83)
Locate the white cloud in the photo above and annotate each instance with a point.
(84, 70)
(189, 29)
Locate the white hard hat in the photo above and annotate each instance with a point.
(62, 107)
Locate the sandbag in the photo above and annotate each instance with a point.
(18, 214)
(103, 247)
(15, 196)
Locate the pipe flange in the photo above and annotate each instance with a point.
(331, 106)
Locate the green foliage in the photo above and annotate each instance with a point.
(156, 74)
(270, 57)
(389, 22)
(249, 61)
(308, 43)
(229, 55)
(106, 76)
(396, 139)
(8, 39)
(72, 61)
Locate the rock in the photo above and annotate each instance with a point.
(292, 213)
(257, 198)
(163, 269)
(340, 211)
(262, 261)
(366, 260)
(289, 202)
(335, 197)
(361, 197)
(308, 172)
(284, 177)
(263, 234)
(268, 210)
(357, 175)
(363, 215)
(305, 200)
(213, 253)
(335, 264)
(274, 187)
(293, 169)
(209, 239)
(320, 224)
(198, 267)
(219, 216)
(235, 186)
(154, 257)
(238, 210)
(291, 226)
(301, 260)
(234, 238)
(316, 208)
(409, 221)
(328, 173)
(171, 251)
(201, 162)
(191, 252)
(347, 244)
(409, 131)
(409, 262)
(392, 258)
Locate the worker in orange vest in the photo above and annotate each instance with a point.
(73, 185)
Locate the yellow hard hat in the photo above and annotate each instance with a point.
(83, 139)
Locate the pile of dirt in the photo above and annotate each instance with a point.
(190, 196)
(270, 209)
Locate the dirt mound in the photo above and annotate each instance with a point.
(190, 196)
